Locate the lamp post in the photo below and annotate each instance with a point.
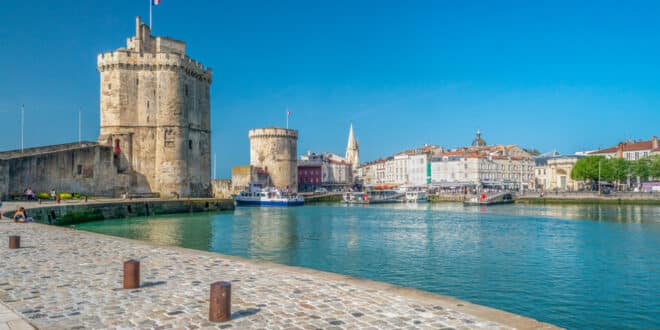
(598, 177)
(22, 127)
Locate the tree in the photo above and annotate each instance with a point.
(586, 169)
(641, 169)
(654, 167)
(616, 169)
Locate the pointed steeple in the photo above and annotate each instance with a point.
(352, 149)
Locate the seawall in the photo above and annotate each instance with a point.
(71, 213)
(591, 198)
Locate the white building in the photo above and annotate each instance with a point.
(496, 166)
(418, 170)
(631, 150)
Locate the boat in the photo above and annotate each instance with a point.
(374, 197)
(416, 196)
(494, 199)
(258, 196)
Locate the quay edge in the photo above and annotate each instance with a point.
(72, 213)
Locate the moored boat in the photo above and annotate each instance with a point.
(257, 196)
(416, 196)
(485, 199)
(374, 197)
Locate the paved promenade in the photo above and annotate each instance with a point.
(66, 279)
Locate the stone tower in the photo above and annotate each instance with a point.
(352, 150)
(275, 150)
(155, 113)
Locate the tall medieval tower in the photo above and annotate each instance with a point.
(155, 112)
(352, 150)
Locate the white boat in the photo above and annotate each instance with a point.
(416, 196)
(257, 196)
(485, 199)
(373, 197)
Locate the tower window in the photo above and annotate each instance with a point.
(109, 86)
(137, 81)
(186, 88)
(190, 144)
(147, 104)
(79, 169)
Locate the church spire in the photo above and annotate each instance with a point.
(352, 149)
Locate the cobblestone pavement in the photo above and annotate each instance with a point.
(64, 278)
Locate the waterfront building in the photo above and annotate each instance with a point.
(480, 165)
(631, 150)
(309, 176)
(409, 167)
(371, 173)
(326, 170)
(553, 173)
(419, 169)
(400, 168)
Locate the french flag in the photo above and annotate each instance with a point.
(155, 2)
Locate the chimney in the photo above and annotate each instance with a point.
(621, 150)
(655, 142)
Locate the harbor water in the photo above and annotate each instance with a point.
(582, 266)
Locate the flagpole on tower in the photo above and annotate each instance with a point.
(151, 4)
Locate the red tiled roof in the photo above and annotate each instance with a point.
(628, 146)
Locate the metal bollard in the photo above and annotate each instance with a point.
(220, 304)
(14, 242)
(131, 274)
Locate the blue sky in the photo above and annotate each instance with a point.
(541, 74)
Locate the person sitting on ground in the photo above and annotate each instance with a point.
(20, 215)
(53, 194)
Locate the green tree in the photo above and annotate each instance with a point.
(586, 169)
(617, 169)
(641, 169)
(654, 167)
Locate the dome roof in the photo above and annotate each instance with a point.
(478, 141)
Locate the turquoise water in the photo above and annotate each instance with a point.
(578, 267)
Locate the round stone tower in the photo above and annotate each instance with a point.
(275, 149)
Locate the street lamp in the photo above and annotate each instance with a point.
(599, 177)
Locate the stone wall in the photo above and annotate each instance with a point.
(76, 213)
(155, 110)
(275, 150)
(221, 188)
(89, 169)
(243, 176)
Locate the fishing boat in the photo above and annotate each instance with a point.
(258, 196)
(374, 197)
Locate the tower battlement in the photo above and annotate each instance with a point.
(126, 59)
(273, 132)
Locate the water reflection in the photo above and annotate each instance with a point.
(535, 260)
